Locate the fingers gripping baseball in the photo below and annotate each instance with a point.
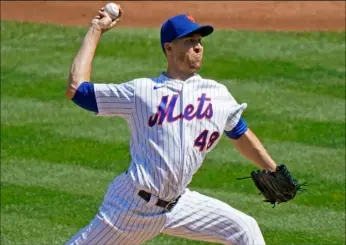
(106, 19)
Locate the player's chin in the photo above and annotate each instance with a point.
(196, 65)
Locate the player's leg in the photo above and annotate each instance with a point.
(93, 230)
(200, 217)
(124, 218)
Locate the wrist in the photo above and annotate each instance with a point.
(95, 29)
(272, 167)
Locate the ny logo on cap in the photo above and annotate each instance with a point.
(190, 18)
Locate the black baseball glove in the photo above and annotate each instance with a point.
(278, 186)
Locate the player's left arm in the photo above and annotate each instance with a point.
(247, 143)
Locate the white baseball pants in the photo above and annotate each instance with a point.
(126, 219)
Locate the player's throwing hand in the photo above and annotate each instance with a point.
(103, 22)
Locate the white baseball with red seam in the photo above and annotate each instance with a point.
(112, 9)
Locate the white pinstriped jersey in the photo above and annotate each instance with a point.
(173, 125)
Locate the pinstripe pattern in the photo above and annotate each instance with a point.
(172, 127)
(200, 217)
(164, 158)
(123, 218)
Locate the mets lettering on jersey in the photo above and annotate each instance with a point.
(172, 127)
(165, 110)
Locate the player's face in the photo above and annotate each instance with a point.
(187, 53)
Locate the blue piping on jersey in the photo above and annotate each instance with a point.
(238, 130)
(85, 97)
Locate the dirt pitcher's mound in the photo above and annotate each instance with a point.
(251, 15)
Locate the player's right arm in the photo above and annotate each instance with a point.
(80, 70)
(103, 99)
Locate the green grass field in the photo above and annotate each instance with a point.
(57, 160)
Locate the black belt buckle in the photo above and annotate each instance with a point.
(160, 203)
(171, 204)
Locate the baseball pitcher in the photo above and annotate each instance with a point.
(175, 119)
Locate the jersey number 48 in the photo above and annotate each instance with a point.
(203, 142)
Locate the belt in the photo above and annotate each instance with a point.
(161, 203)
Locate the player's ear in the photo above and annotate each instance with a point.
(168, 48)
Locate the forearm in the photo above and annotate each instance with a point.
(81, 67)
(251, 148)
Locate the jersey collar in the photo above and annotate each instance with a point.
(163, 78)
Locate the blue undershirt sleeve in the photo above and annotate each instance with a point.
(238, 130)
(85, 97)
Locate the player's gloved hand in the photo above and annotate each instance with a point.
(103, 22)
(278, 186)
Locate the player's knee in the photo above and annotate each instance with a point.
(253, 222)
(252, 233)
(248, 232)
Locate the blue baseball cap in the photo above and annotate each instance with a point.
(180, 26)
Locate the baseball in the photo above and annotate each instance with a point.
(112, 9)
